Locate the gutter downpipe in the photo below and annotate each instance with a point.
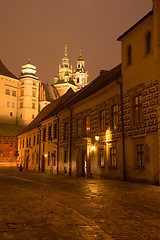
(70, 143)
(123, 137)
(57, 146)
(39, 149)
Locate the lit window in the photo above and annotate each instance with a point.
(148, 43)
(129, 55)
(101, 157)
(87, 125)
(102, 120)
(7, 92)
(113, 157)
(115, 116)
(137, 107)
(140, 158)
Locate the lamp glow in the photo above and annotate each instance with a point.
(96, 138)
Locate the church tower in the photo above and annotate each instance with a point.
(80, 75)
(28, 94)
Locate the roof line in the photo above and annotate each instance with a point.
(135, 25)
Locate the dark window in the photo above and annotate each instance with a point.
(87, 125)
(113, 157)
(32, 158)
(148, 42)
(23, 144)
(65, 156)
(115, 116)
(129, 55)
(11, 114)
(65, 131)
(44, 134)
(32, 116)
(55, 130)
(14, 93)
(37, 158)
(102, 120)
(7, 91)
(54, 158)
(49, 132)
(26, 142)
(79, 127)
(101, 157)
(33, 105)
(21, 104)
(22, 92)
(77, 80)
(34, 140)
(49, 158)
(29, 141)
(37, 138)
(137, 109)
(140, 160)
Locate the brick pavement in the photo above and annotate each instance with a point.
(40, 206)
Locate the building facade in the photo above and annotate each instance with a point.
(110, 128)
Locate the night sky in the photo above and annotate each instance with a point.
(39, 29)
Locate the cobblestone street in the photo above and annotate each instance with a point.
(38, 206)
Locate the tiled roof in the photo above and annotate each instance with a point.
(9, 130)
(135, 25)
(48, 110)
(4, 71)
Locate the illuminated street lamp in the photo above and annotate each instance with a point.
(96, 138)
(45, 154)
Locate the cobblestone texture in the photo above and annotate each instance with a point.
(36, 206)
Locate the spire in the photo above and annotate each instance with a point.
(80, 56)
(65, 51)
(29, 61)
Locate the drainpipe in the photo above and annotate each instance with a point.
(57, 146)
(123, 137)
(39, 149)
(70, 143)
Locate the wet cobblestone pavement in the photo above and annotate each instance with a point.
(39, 206)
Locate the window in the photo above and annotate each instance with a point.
(49, 132)
(140, 158)
(79, 127)
(101, 157)
(23, 144)
(37, 138)
(22, 92)
(32, 116)
(33, 105)
(33, 93)
(7, 92)
(54, 158)
(115, 116)
(65, 156)
(66, 131)
(55, 130)
(113, 157)
(44, 134)
(129, 55)
(37, 158)
(77, 80)
(26, 142)
(34, 140)
(87, 125)
(11, 114)
(137, 109)
(13, 104)
(20, 115)
(49, 158)
(21, 104)
(29, 141)
(8, 103)
(148, 42)
(102, 120)
(32, 158)
(14, 93)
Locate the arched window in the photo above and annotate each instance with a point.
(129, 55)
(148, 42)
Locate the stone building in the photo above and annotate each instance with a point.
(110, 128)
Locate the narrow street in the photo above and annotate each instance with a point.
(39, 206)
